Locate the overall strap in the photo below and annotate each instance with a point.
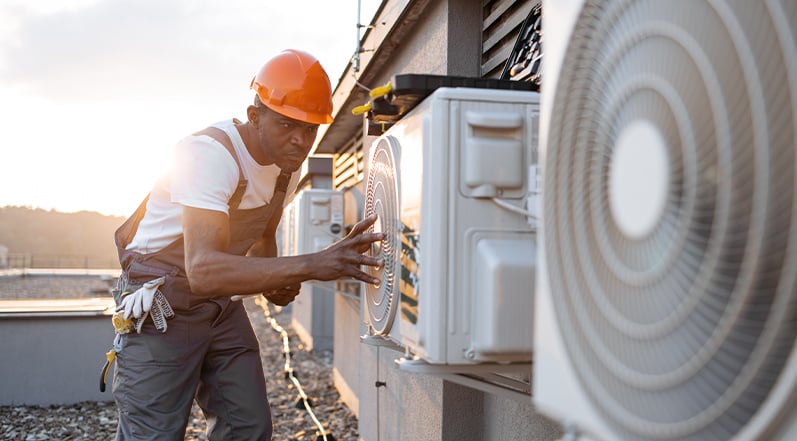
(125, 233)
(280, 188)
(222, 137)
(275, 205)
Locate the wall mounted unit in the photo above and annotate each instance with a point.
(286, 232)
(666, 300)
(312, 221)
(459, 266)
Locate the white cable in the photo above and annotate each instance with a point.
(286, 349)
(326, 287)
(359, 84)
(515, 209)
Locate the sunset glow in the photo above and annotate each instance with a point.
(94, 93)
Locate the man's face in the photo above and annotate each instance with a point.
(285, 141)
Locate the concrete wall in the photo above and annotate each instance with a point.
(470, 414)
(313, 315)
(395, 405)
(510, 420)
(345, 362)
(54, 358)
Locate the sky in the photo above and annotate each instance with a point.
(95, 93)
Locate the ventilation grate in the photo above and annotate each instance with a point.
(382, 198)
(680, 320)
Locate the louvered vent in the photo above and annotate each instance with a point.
(501, 26)
(349, 165)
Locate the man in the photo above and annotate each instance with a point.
(205, 234)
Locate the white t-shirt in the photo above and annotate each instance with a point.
(203, 175)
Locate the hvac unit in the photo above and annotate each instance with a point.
(459, 261)
(666, 301)
(286, 231)
(317, 219)
(312, 221)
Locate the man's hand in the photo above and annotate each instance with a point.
(345, 258)
(283, 296)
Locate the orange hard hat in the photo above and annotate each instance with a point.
(294, 84)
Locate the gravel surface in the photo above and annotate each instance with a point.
(97, 420)
(53, 287)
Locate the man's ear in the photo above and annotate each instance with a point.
(252, 114)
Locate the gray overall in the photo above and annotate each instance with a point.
(209, 352)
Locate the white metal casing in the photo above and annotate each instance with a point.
(319, 218)
(286, 232)
(466, 264)
(555, 385)
(311, 221)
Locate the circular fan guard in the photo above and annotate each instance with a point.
(680, 334)
(382, 198)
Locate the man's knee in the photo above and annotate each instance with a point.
(264, 427)
(254, 428)
(258, 419)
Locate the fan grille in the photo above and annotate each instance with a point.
(382, 199)
(679, 334)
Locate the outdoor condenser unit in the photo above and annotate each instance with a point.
(450, 181)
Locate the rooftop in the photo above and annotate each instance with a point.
(61, 284)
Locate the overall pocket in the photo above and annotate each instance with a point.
(139, 273)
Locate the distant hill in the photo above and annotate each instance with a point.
(56, 239)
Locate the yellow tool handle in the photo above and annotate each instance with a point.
(381, 90)
(365, 108)
(121, 324)
(110, 356)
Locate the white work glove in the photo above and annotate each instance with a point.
(145, 301)
(139, 303)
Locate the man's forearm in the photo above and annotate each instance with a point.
(214, 272)
(218, 274)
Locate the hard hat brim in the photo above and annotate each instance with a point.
(300, 115)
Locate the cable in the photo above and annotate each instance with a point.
(286, 350)
(326, 287)
(359, 84)
(510, 207)
(518, 42)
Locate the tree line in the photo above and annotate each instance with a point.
(38, 238)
